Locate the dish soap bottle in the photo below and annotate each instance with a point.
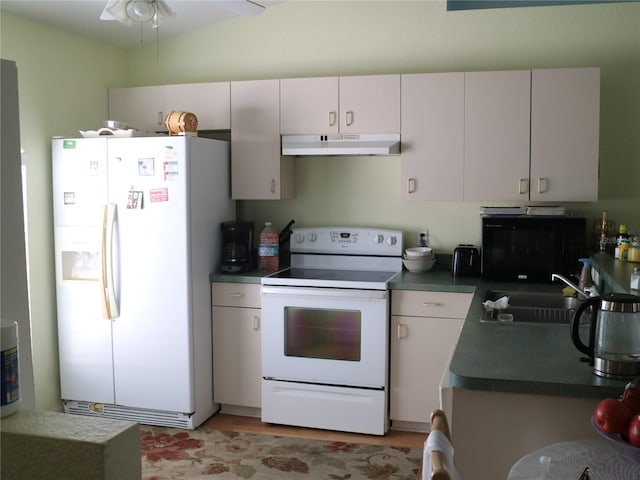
(268, 249)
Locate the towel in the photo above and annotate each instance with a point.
(437, 441)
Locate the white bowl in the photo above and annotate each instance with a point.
(418, 265)
(429, 256)
(418, 251)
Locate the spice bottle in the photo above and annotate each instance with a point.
(635, 279)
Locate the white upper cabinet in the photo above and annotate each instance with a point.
(565, 125)
(532, 135)
(145, 108)
(370, 104)
(496, 135)
(432, 136)
(309, 105)
(140, 107)
(341, 105)
(258, 171)
(211, 102)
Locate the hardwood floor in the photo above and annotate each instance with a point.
(396, 438)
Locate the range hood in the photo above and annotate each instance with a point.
(316, 145)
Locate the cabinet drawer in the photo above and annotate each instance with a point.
(236, 295)
(430, 304)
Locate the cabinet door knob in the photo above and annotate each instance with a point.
(349, 118)
(523, 186)
(237, 295)
(160, 118)
(332, 119)
(273, 185)
(255, 322)
(411, 185)
(402, 331)
(543, 185)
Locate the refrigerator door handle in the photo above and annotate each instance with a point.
(110, 307)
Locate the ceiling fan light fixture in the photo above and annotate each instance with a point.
(139, 11)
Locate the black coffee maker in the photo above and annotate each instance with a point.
(237, 247)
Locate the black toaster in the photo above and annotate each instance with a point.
(466, 261)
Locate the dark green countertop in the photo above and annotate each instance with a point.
(616, 274)
(531, 358)
(247, 277)
(517, 358)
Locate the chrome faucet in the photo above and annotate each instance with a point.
(586, 292)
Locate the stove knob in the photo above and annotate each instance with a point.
(312, 237)
(378, 238)
(299, 238)
(392, 240)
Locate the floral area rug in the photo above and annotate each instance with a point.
(172, 453)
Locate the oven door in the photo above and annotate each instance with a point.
(325, 335)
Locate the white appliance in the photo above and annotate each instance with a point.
(137, 233)
(325, 330)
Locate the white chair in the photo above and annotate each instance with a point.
(437, 457)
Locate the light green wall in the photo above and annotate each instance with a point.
(62, 81)
(322, 38)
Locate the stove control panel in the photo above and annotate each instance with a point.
(347, 241)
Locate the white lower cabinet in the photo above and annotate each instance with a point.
(425, 327)
(237, 366)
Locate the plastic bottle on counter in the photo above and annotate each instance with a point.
(268, 249)
(622, 242)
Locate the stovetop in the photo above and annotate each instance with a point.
(339, 257)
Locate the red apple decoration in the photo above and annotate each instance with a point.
(631, 397)
(633, 434)
(612, 416)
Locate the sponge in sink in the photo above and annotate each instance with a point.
(569, 292)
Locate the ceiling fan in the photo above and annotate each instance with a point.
(129, 12)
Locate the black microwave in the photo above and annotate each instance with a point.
(531, 248)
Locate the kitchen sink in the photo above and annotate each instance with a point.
(531, 307)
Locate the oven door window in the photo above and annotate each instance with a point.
(323, 333)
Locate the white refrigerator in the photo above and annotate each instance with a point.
(137, 233)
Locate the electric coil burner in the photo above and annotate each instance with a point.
(325, 330)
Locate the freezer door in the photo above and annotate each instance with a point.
(152, 341)
(84, 333)
(79, 180)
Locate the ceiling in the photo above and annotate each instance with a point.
(83, 17)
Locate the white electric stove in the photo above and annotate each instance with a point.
(325, 330)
